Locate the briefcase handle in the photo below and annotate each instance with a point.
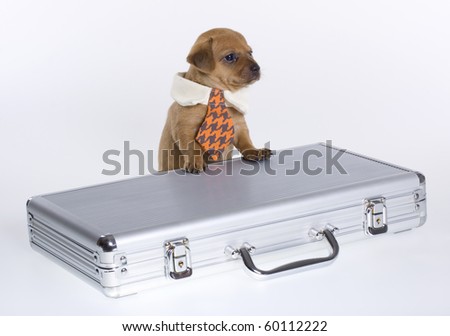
(245, 251)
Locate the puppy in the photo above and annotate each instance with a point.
(220, 60)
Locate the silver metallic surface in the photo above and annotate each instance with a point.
(178, 258)
(231, 252)
(166, 202)
(250, 248)
(376, 214)
(272, 204)
(316, 234)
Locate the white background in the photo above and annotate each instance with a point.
(80, 77)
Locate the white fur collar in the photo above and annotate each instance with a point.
(189, 93)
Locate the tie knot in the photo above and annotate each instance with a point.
(216, 99)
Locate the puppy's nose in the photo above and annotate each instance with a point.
(255, 68)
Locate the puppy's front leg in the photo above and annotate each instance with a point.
(186, 127)
(192, 155)
(244, 144)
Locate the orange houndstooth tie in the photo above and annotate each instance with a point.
(217, 130)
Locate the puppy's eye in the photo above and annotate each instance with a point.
(230, 58)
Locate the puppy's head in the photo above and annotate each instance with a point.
(224, 56)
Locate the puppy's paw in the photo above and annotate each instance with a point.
(257, 154)
(194, 165)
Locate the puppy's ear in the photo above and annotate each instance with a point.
(201, 56)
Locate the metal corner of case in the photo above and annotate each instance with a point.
(421, 177)
(107, 243)
(115, 292)
(423, 219)
(111, 292)
(31, 202)
(29, 214)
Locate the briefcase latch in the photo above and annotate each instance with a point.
(178, 258)
(375, 216)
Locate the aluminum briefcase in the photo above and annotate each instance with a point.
(173, 227)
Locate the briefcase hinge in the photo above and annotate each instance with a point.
(178, 258)
(375, 216)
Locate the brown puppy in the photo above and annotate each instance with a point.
(222, 59)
